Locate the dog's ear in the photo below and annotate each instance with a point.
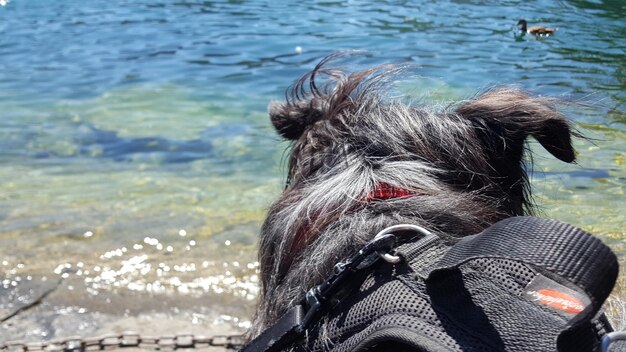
(291, 119)
(512, 115)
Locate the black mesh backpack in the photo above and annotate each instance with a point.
(523, 284)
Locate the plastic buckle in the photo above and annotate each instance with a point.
(610, 338)
(374, 250)
(368, 255)
(313, 304)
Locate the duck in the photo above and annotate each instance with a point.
(537, 30)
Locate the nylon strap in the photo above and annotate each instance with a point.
(283, 331)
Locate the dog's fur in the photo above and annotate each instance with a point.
(464, 167)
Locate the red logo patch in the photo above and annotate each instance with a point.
(560, 301)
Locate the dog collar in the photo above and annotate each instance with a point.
(384, 191)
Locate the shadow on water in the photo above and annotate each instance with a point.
(583, 173)
(86, 140)
(94, 142)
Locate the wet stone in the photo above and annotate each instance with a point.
(17, 296)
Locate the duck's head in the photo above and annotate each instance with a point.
(522, 23)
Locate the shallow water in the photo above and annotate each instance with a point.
(137, 161)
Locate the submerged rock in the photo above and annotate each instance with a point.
(19, 294)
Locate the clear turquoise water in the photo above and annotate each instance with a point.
(123, 123)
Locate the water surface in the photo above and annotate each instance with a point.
(137, 160)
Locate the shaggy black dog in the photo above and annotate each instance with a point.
(361, 162)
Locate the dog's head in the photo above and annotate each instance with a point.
(458, 170)
(478, 145)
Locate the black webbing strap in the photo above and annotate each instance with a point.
(557, 250)
(293, 324)
(285, 330)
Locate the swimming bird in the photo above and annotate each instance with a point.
(538, 30)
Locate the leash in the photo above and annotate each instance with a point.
(293, 324)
